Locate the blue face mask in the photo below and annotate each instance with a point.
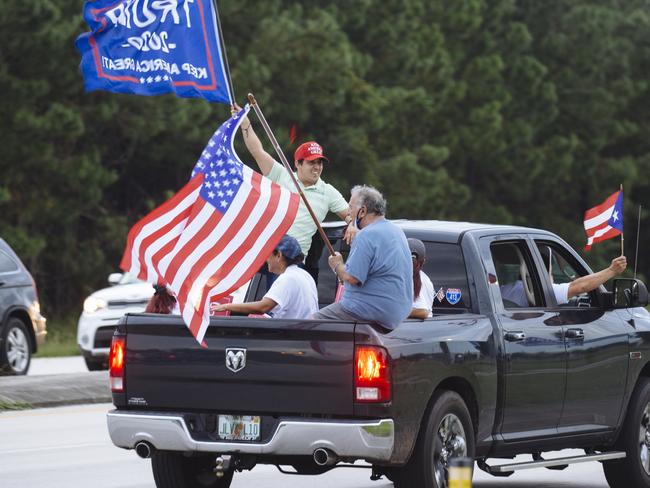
(357, 222)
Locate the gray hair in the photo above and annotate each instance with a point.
(371, 198)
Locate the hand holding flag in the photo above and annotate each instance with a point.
(214, 234)
(604, 221)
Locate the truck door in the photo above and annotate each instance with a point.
(597, 345)
(534, 366)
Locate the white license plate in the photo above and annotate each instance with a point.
(239, 427)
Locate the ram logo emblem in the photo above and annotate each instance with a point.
(235, 359)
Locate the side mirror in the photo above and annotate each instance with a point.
(114, 278)
(630, 293)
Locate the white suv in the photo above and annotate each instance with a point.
(105, 307)
(101, 312)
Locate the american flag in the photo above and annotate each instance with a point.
(604, 221)
(440, 295)
(215, 233)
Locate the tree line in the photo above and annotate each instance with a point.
(501, 111)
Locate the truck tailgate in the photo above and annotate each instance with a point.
(291, 366)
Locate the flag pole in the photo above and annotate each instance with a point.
(638, 231)
(622, 238)
(285, 163)
(225, 55)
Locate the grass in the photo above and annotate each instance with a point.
(61, 339)
(4, 406)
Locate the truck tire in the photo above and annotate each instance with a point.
(175, 470)
(448, 432)
(634, 470)
(16, 348)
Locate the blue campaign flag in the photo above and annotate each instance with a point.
(150, 47)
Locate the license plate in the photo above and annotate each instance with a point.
(239, 427)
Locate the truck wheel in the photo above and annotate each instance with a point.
(16, 350)
(448, 433)
(175, 470)
(634, 470)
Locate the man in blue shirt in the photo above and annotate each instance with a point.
(378, 276)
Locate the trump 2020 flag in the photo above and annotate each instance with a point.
(153, 47)
(604, 221)
(214, 234)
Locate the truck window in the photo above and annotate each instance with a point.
(562, 268)
(445, 266)
(518, 282)
(316, 264)
(327, 282)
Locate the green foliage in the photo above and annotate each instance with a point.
(6, 406)
(502, 111)
(61, 338)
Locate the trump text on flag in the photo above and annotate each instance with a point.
(153, 47)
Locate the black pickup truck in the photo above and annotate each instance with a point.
(486, 377)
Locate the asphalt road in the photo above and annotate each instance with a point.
(68, 447)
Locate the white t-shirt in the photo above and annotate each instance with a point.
(514, 293)
(561, 292)
(295, 293)
(425, 299)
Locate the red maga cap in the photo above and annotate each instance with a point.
(309, 150)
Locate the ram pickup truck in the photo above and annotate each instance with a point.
(486, 377)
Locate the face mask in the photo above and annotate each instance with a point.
(357, 222)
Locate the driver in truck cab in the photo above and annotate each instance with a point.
(507, 257)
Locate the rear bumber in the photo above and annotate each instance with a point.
(347, 439)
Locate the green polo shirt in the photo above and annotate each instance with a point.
(322, 197)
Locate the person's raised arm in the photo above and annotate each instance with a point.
(592, 281)
(263, 159)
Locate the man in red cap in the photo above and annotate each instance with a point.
(323, 197)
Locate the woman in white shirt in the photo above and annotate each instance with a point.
(292, 295)
(422, 286)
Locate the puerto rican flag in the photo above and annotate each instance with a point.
(604, 221)
(214, 234)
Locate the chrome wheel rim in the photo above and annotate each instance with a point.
(450, 442)
(644, 439)
(17, 350)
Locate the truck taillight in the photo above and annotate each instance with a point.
(116, 364)
(371, 375)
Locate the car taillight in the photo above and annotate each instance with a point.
(116, 363)
(371, 375)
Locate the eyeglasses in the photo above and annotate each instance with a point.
(414, 256)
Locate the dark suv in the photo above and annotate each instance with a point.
(22, 327)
